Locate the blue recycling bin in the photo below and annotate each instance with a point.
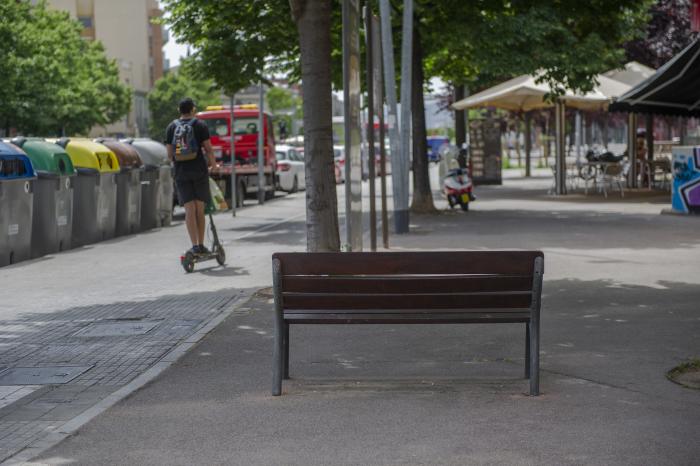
(17, 177)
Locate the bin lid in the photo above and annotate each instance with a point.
(152, 153)
(126, 154)
(46, 157)
(14, 163)
(89, 154)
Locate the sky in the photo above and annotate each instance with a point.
(172, 50)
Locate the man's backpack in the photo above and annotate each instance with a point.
(184, 141)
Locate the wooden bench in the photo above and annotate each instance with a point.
(455, 287)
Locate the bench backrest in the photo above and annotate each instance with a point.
(450, 280)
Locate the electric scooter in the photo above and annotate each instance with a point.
(189, 259)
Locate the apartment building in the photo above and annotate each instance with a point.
(126, 29)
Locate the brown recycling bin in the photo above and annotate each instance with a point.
(128, 186)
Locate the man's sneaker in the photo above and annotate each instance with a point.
(195, 249)
(203, 249)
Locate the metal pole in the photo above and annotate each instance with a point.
(232, 148)
(401, 204)
(352, 23)
(261, 147)
(577, 135)
(392, 115)
(528, 143)
(379, 108)
(560, 148)
(371, 160)
(632, 148)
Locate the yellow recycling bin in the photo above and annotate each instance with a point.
(95, 191)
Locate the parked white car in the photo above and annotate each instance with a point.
(290, 168)
(339, 159)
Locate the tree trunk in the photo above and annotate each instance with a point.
(313, 20)
(422, 195)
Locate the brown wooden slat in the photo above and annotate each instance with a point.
(514, 299)
(439, 262)
(406, 318)
(406, 284)
(427, 311)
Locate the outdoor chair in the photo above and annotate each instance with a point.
(613, 174)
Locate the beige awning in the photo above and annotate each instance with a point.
(524, 93)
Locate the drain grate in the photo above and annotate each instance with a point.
(116, 329)
(41, 375)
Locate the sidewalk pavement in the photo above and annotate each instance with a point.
(620, 308)
(80, 326)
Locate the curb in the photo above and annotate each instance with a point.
(67, 429)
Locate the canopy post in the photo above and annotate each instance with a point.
(560, 147)
(632, 148)
(528, 142)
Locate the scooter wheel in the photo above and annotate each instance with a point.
(465, 207)
(187, 262)
(221, 256)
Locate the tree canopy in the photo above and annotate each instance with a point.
(170, 89)
(53, 81)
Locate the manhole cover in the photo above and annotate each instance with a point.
(116, 329)
(41, 375)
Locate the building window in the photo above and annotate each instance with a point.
(86, 21)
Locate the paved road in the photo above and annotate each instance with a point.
(620, 309)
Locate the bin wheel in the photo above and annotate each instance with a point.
(221, 256)
(187, 262)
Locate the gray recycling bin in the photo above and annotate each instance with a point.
(53, 196)
(157, 183)
(17, 179)
(128, 186)
(95, 190)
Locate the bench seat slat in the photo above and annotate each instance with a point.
(363, 318)
(434, 262)
(515, 299)
(417, 311)
(405, 283)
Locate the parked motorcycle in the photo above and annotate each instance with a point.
(458, 188)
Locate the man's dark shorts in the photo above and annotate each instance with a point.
(192, 187)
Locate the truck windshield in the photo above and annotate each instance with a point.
(245, 126)
(242, 126)
(217, 126)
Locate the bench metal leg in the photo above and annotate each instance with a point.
(286, 351)
(534, 358)
(278, 350)
(527, 351)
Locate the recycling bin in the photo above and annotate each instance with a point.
(17, 179)
(95, 190)
(52, 223)
(157, 183)
(128, 186)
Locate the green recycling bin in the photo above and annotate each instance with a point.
(17, 179)
(95, 190)
(157, 183)
(53, 196)
(128, 186)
